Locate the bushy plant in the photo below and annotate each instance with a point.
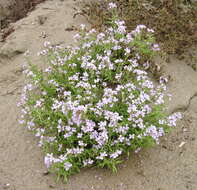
(96, 101)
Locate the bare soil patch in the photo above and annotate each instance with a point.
(164, 167)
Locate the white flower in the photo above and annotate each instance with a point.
(82, 26)
(112, 5)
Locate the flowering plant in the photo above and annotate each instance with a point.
(96, 101)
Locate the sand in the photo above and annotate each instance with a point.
(172, 165)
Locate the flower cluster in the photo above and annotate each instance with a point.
(95, 101)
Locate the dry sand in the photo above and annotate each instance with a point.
(164, 167)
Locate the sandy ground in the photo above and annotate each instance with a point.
(13, 10)
(164, 167)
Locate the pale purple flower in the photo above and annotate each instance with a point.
(48, 160)
(67, 166)
(101, 156)
(88, 162)
(156, 47)
(116, 154)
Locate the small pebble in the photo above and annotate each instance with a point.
(51, 186)
(43, 34)
(182, 143)
(184, 130)
(41, 19)
(46, 173)
(6, 186)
